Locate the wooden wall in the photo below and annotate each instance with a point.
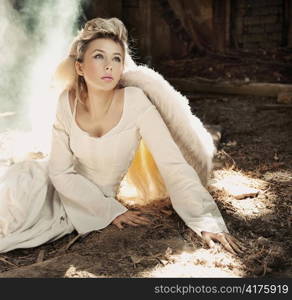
(165, 29)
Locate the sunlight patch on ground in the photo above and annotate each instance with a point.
(189, 271)
(228, 179)
(241, 191)
(73, 273)
(198, 263)
(250, 207)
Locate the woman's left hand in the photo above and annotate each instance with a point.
(229, 242)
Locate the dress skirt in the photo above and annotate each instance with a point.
(31, 212)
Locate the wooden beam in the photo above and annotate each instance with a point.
(221, 24)
(288, 23)
(192, 85)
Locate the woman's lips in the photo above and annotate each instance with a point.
(107, 78)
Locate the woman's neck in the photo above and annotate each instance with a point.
(98, 101)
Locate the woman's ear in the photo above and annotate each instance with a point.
(78, 68)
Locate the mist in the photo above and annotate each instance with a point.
(35, 36)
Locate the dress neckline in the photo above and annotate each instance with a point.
(85, 132)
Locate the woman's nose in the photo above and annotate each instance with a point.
(108, 67)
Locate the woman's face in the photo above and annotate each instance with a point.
(102, 64)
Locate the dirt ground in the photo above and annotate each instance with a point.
(255, 151)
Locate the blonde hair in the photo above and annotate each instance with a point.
(143, 173)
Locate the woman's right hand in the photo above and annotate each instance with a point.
(130, 217)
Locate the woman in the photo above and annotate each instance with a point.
(104, 122)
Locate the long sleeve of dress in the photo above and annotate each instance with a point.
(85, 204)
(189, 198)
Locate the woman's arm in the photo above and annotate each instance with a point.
(87, 207)
(189, 198)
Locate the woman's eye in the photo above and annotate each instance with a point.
(117, 59)
(98, 56)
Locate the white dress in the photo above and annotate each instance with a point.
(76, 187)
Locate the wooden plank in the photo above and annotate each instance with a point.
(191, 85)
(145, 30)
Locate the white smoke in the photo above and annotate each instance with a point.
(34, 39)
